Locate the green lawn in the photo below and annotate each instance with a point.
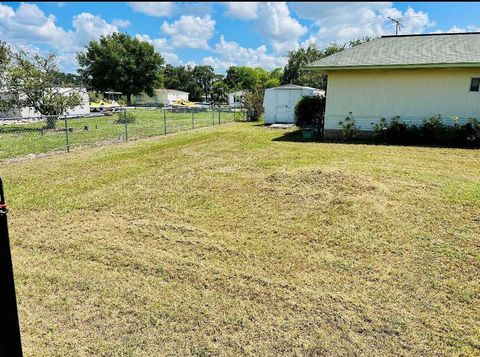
(23, 139)
(230, 240)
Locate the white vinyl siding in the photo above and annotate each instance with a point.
(413, 94)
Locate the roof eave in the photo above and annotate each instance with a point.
(324, 69)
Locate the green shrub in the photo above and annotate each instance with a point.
(253, 103)
(309, 111)
(349, 127)
(433, 130)
(467, 134)
(126, 117)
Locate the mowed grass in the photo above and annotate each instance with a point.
(22, 139)
(230, 241)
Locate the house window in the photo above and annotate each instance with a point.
(475, 85)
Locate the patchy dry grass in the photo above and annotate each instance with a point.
(225, 241)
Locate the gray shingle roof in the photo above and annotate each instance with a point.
(408, 51)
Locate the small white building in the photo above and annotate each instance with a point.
(411, 76)
(235, 98)
(163, 97)
(28, 112)
(279, 102)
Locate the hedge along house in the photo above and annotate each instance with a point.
(412, 76)
(161, 97)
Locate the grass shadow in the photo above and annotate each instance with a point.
(18, 129)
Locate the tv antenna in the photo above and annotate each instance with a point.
(398, 23)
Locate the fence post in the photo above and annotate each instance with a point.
(126, 125)
(219, 119)
(193, 119)
(10, 340)
(213, 115)
(66, 133)
(164, 122)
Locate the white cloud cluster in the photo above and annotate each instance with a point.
(162, 46)
(190, 31)
(230, 53)
(242, 10)
(276, 23)
(158, 9)
(29, 24)
(273, 20)
(342, 22)
(454, 29)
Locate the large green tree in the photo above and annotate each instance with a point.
(297, 59)
(204, 76)
(219, 92)
(181, 78)
(121, 63)
(243, 77)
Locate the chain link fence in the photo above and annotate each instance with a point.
(26, 136)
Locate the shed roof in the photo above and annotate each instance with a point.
(407, 51)
(290, 86)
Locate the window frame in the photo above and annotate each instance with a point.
(471, 85)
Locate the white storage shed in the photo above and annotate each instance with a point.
(279, 102)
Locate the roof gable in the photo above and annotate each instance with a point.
(441, 50)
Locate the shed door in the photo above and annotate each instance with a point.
(283, 106)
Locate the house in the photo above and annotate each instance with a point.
(27, 112)
(412, 76)
(235, 98)
(279, 102)
(161, 97)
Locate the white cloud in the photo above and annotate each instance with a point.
(163, 47)
(242, 10)
(230, 53)
(276, 23)
(342, 22)
(159, 9)
(121, 23)
(190, 31)
(454, 29)
(29, 25)
(90, 27)
(273, 21)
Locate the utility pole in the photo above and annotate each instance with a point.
(398, 24)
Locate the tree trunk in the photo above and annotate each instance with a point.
(51, 122)
(129, 99)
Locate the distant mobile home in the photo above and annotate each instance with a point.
(412, 76)
(235, 98)
(163, 97)
(279, 102)
(27, 112)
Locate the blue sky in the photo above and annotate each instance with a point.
(221, 34)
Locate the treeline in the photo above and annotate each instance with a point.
(203, 83)
(119, 62)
